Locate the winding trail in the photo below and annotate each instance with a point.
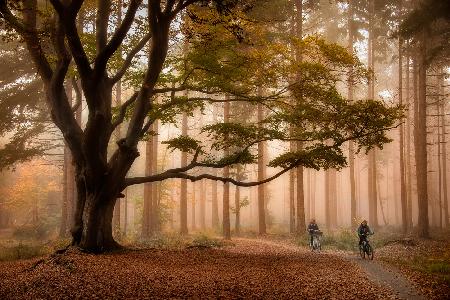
(382, 275)
(386, 276)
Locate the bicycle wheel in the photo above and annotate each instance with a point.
(369, 251)
(362, 251)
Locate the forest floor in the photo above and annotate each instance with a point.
(249, 268)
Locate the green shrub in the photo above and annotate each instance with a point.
(203, 240)
(22, 251)
(32, 231)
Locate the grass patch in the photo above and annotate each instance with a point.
(203, 240)
(22, 251)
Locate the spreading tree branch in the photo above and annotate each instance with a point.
(129, 58)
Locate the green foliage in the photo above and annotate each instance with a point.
(243, 202)
(183, 143)
(21, 251)
(202, 240)
(33, 231)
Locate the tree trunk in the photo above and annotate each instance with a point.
(403, 195)
(64, 215)
(202, 204)
(193, 205)
(183, 190)
(226, 187)
(214, 196)
(408, 143)
(351, 150)
(292, 197)
(421, 143)
(444, 152)
(155, 223)
(97, 224)
(237, 204)
(261, 176)
(147, 229)
(372, 184)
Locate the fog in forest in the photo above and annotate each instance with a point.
(341, 95)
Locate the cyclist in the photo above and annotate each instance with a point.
(363, 232)
(312, 228)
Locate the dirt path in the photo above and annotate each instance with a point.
(386, 276)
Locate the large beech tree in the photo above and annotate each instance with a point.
(323, 120)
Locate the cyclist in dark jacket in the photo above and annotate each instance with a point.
(363, 231)
(311, 228)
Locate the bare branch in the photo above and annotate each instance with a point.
(117, 38)
(123, 110)
(168, 175)
(130, 56)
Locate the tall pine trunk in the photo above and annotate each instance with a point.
(226, 187)
(183, 187)
(403, 194)
(421, 140)
(261, 175)
(372, 171)
(444, 151)
(351, 147)
(408, 141)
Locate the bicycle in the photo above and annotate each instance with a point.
(316, 235)
(366, 248)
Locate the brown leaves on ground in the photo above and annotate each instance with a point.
(426, 263)
(250, 269)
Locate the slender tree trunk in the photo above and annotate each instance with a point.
(193, 206)
(64, 215)
(372, 184)
(403, 195)
(300, 222)
(408, 142)
(202, 204)
(237, 205)
(444, 152)
(421, 143)
(261, 175)
(183, 191)
(155, 193)
(214, 196)
(350, 92)
(438, 109)
(226, 187)
(292, 195)
(148, 192)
